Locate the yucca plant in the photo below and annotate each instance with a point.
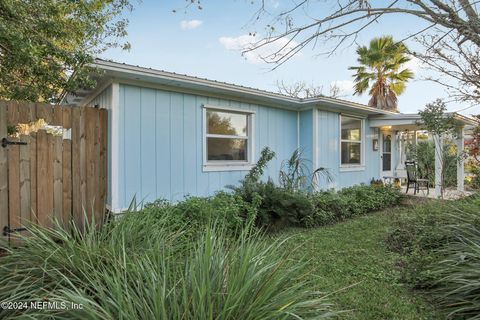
(295, 173)
(142, 266)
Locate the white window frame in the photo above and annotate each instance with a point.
(346, 166)
(229, 165)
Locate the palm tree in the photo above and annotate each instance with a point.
(380, 71)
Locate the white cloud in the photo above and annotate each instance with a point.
(266, 53)
(345, 86)
(190, 24)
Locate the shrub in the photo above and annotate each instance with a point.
(197, 212)
(332, 206)
(279, 207)
(142, 267)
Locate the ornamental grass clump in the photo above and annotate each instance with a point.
(440, 247)
(143, 266)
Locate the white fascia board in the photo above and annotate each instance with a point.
(194, 83)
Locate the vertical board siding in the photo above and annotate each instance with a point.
(148, 145)
(189, 144)
(177, 146)
(306, 136)
(329, 153)
(161, 144)
(132, 142)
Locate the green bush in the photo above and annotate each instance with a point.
(331, 207)
(142, 267)
(280, 207)
(228, 209)
(440, 247)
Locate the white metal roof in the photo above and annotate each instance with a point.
(121, 72)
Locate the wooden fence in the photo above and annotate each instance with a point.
(52, 175)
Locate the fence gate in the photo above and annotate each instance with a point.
(57, 171)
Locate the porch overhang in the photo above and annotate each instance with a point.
(412, 121)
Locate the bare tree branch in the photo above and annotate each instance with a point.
(453, 34)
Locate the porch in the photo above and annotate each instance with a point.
(394, 133)
(448, 194)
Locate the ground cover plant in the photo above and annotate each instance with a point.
(440, 248)
(201, 258)
(351, 261)
(143, 267)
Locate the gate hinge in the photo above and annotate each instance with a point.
(6, 142)
(7, 230)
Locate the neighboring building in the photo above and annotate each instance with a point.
(173, 135)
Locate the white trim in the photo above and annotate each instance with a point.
(200, 84)
(315, 138)
(115, 212)
(392, 150)
(95, 93)
(348, 167)
(115, 147)
(298, 130)
(438, 139)
(219, 108)
(227, 167)
(211, 166)
(222, 136)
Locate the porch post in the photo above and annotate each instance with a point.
(438, 164)
(460, 161)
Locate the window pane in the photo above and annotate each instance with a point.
(387, 162)
(351, 152)
(351, 129)
(227, 149)
(387, 143)
(228, 123)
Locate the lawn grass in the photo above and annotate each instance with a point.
(350, 260)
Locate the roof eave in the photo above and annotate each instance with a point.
(120, 72)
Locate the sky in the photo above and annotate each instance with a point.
(207, 43)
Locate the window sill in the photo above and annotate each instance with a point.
(227, 167)
(352, 168)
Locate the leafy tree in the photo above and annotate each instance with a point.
(380, 70)
(473, 146)
(439, 124)
(46, 46)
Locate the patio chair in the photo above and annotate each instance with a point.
(412, 179)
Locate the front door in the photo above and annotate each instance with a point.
(386, 153)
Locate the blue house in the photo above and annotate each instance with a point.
(172, 135)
